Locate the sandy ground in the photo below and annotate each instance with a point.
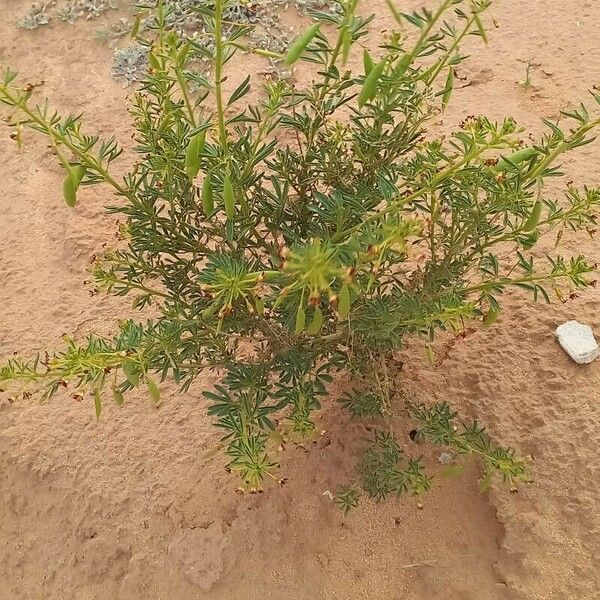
(135, 507)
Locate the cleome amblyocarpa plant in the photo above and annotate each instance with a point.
(283, 239)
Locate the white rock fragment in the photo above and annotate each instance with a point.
(578, 342)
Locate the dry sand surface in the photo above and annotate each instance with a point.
(135, 507)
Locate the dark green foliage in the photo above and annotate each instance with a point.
(283, 239)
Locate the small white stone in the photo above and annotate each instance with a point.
(578, 342)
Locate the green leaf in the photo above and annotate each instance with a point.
(298, 47)
(97, 403)
(153, 389)
(370, 84)
(240, 91)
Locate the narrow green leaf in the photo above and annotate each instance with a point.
(298, 47)
(370, 84)
(240, 91)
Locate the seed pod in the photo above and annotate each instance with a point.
(154, 62)
(78, 172)
(192, 154)
(298, 47)
(316, 323)
(490, 317)
(228, 197)
(370, 85)
(182, 54)
(153, 390)
(130, 373)
(367, 62)
(300, 319)
(343, 307)
(118, 396)
(534, 217)
(448, 88)
(517, 157)
(208, 201)
(97, 403)
(70, 190)
(260, 306)
(346, 45)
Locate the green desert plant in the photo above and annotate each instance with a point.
(284, 238)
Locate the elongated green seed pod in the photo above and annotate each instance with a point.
(448, 88)
(78, 172)
(343, 307)
(71, 184)
(300, 319)
(97, 403)
(317, 322)
(183, 52)
(228, 197)
(534, 217)
(192, 154)
(118, 396)
(154, 62)
(491, 316)
(370, 85)
(153, 390)
(517, 157)
(346, 45)
(70, 190)
(367, 61)
(208, 201)
(298, 47)
(260, 306)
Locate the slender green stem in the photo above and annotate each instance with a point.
(219, 74)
